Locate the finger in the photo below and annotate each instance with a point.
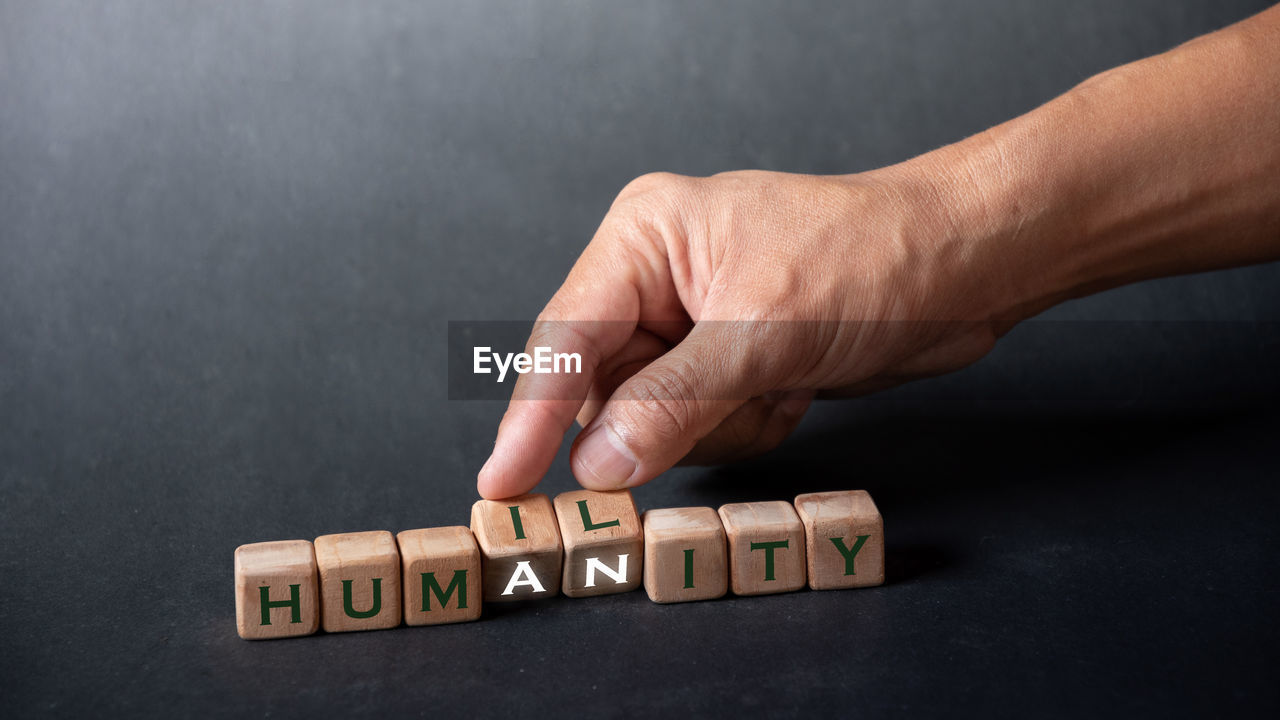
(593, 314)
(757, 427)
(543, 406)
(642, 348)
(658, 415)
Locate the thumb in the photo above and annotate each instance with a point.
(656, 417)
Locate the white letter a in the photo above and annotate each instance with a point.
(523, 576)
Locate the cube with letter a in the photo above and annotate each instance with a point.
(520, 549)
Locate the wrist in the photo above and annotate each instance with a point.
(976, 226)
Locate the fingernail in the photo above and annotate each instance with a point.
(607, 462)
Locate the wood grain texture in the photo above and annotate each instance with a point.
(685, 555)
(434, 559)
(277, 566)
(774, 529)
(607, 535)
(503, 547)
(844, 539)
(359, 575)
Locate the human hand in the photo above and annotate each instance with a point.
(708, 311)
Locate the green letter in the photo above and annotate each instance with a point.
(429, 585)
(688, 568)
(377, 600)
(293, 602)
(768, 555)
(586, 518)
(515, 520)
(849, 553)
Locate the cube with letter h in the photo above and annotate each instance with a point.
(603, 542)
(845, 538)
(520, 549)
(277, 591)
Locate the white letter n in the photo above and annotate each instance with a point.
(618, 576)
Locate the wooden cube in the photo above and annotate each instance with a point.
(520, 549)
(844, 539)
(685, 555)
(603, 542)
(441, 575)
(359, 581)
(766, 547)
(277, 592)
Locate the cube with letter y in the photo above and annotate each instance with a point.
(845, 538)
(441, 575)
(766, 547)
(277, 592)
(520, 549)
(359, 581)
(603, 542)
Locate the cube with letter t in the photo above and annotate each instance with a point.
(520, 549)
(603, 542)
(766, 547)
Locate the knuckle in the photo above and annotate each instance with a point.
(662, 405)
(652, 195)
(649, 183)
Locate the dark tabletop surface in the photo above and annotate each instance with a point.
(232, 235)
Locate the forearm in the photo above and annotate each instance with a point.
(1165, 166)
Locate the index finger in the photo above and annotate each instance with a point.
(592, 314)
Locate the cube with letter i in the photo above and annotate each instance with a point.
(520, 550)
(603, 543)
(685, 555)
(845, 538)
(441, 575)
(359, 581)
(277, 591)
(766, 547)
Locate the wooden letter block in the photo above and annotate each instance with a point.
(766, 547)
(685, 555)
(277, 593)
(845, 539)
(359, 581)
(520, 550)
(603, 543)
(441, 575)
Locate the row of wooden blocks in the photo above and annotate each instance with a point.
(582, 544)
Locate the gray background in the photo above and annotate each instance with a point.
(231, 237)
